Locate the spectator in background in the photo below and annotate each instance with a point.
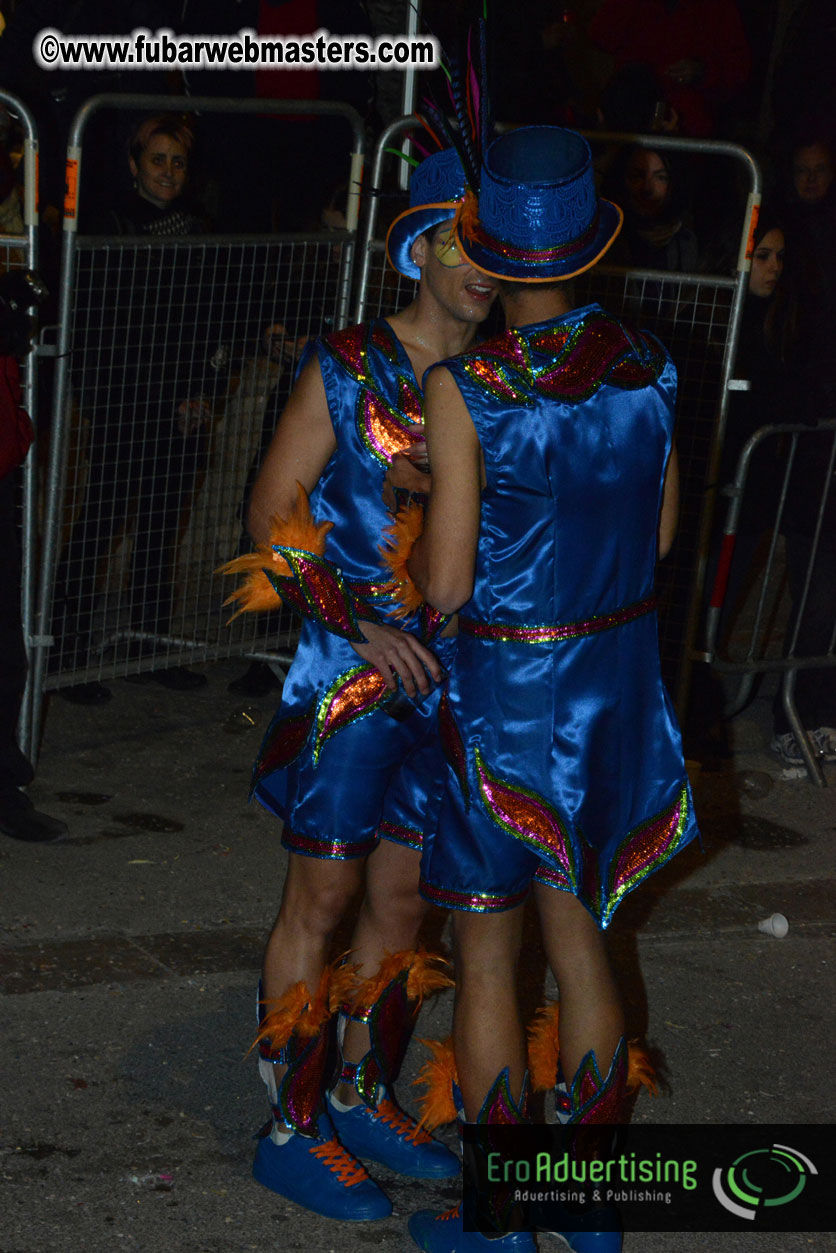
(767, 331)
(697, 50)
(651, 188)
(144, 377)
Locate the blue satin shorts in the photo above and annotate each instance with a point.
(341, 790)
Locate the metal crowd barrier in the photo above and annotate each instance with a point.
(766, 634)
(697, 316)
(20, 252)
(166, 396)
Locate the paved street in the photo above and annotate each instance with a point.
(131, 953)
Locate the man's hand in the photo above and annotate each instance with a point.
(399, 655)
(404, 475)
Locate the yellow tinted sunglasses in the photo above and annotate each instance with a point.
(447, 250)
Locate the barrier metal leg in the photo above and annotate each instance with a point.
(812, 763)
(741, 700)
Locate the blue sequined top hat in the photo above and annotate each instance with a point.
(539, 216)
(436, 190)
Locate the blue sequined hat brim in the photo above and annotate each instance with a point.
(491, 261)
(408, 226)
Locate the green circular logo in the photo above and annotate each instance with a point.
(762, 1178)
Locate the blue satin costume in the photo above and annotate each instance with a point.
(338, 769)
(564, 757)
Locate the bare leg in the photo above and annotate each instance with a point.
(389, 920)
(316, 894)
(487, 1033)
(591, 1016)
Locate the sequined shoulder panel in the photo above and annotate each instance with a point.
(569, 362)
(388, 403)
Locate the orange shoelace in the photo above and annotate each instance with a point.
(348, 1170)
(405, 1126)
(450, 1213)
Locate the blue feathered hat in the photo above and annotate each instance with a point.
(436, 189)
(538, 217)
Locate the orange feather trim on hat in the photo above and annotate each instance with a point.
(437, 1076)
(467, 216)
(297, 530)
(399, 541)
(543, 1048)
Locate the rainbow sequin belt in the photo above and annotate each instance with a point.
(551, 633)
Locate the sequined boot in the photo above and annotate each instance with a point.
(444, 1231)
(378, 1129)
(298, 1154)
(588, 1100)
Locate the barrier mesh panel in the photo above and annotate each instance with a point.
(184, 352)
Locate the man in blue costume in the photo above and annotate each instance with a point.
(343, 760)
(552, 465)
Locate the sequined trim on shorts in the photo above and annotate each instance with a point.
(473, 902)
(331, 850)
(400, 833)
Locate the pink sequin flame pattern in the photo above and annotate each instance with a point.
(283, 744)
(353, 694)
(322, 592)
(594, 1100)
(644, 850)
(526, 815)
(594, 352)
(384, 430)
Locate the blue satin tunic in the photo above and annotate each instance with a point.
(564, 756)
(339, 769)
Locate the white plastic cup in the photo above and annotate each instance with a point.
(775, 924)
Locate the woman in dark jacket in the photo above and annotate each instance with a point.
(144, 380)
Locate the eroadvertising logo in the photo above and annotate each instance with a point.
(762, 1177)
(642, 1177)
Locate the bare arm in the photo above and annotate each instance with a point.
(299, 451)
(669, 513)
(443, 560)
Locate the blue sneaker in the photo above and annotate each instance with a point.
(319, 1174)
(387, 1135)
(596, 1231)
(592, 1241)
(436, 1232)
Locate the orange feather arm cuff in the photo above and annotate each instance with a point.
(292, 569)
(399, 541)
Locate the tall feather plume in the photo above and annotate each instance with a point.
(457, 87)
(467, 87)
(473, 92)
(439, 127)
(485, 111)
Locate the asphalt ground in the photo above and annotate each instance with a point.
(131, 952)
